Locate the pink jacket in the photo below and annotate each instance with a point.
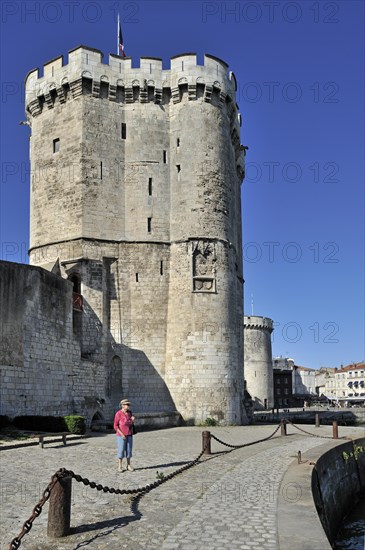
(124, 422)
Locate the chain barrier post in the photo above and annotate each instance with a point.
(283, 427)
(206, 443)
(317, 421)
(59, 513)
(335, 429)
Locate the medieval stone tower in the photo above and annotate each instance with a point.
(258, 360)
(135, 198)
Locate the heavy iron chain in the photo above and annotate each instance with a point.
(309, 433)
(144, 489)
(37, 510)
(62, 472)
(245, 444)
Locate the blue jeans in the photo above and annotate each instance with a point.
(125, 446)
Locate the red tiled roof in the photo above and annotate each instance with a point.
(354, 366)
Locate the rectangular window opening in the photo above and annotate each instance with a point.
(149, 225)
(161, 267)
(150, 187)
(178, 168)
(56, 145)
(124, 130)
(87, 59)
(101, 170)
(165, 157)
(136, 277)
(178, 142)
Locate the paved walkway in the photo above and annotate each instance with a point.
(226, 501)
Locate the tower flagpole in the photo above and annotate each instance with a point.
(118, 25)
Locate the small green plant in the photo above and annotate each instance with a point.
(75, 424)
(210, 422)
(160, 475)
(358, 449)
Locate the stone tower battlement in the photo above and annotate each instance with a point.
(129, 84)
(258, 323)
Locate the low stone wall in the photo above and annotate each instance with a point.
(145, 421)
(338, 481)
(158, 420)
(348, 417)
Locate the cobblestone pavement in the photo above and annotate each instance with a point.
(226, 501)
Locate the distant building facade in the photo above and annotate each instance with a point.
(283, 388)
(304, 381)
(293, 385)
(325, 382)
(350, 383)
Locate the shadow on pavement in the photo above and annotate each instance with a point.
(117, 523)
(109, 525)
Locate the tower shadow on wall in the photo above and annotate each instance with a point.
(128, 371)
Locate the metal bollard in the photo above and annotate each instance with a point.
(317, 421)
(59, 513)
(206, 443)
(283, 427)
(334, 429)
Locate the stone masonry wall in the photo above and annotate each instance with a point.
(41, 370)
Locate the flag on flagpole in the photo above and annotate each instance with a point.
(120, 39)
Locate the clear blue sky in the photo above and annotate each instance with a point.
(300, 72)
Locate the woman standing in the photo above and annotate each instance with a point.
(123, 425)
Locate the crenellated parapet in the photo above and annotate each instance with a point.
(119, 82)
(258, 323)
